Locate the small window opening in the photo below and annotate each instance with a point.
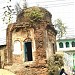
(61, 45)
(67, 44)
(53, 48)
(73, 44)
(28, 51)
(74, 55)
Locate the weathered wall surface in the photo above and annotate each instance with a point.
(22, 36)
(42, 47)
(43, 37)
(32, 71)
(51, 43)
(2, 55)
(21, 69)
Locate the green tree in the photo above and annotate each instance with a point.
(60, 27)
(55, 63)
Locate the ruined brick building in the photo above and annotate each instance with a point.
(31, 40)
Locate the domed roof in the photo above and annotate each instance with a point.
(34, 14)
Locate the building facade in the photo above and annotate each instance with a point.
(31, 41)
(67, 46)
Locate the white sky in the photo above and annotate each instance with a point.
(63, 9)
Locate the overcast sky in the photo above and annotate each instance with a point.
(63, 9)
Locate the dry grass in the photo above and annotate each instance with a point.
(6, 72)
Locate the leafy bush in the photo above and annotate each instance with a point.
(55, 62)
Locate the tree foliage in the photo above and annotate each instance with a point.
(55, 62)
(9, 11)
(8, 14)
(60, 27)
(18, 8)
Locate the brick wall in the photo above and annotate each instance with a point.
(42, 35)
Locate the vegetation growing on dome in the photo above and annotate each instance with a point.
(34, 14)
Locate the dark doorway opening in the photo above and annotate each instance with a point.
(53, 48)
(28, 51)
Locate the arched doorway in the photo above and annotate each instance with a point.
(28, 50)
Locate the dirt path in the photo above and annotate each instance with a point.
(6, 72)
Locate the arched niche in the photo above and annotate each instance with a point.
(17, 47)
